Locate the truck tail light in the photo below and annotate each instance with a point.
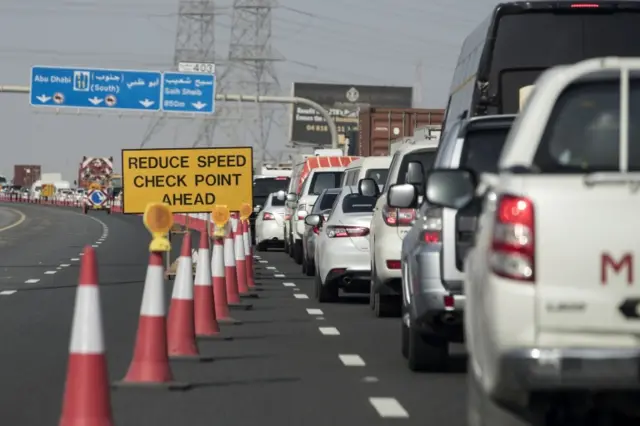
(268, 216)
(513, 245)
(347, 231)
(432, 229)
(398, 217)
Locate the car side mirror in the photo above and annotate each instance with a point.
(257, 208)
(313, 220)
(292, 197)
(451, 188)
(415, 173)
(368, 188)
(402, 196)
(281, 195)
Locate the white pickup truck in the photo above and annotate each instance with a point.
(552, 319)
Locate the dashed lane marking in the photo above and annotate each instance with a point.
(320, 318)
(65, 265)
(264, 261)
(389, 408)
(271, 268)
(315, 312)
(50, 272)
(352, 360)
(75, 259)
(288, 284)
(94, 245)
(80, 254)
(32, 281)
(300, 296)
(7, 292)
(279, 275)
(329, 331)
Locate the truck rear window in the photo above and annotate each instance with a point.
(379, 175)
(583, 131)
(324, 180)
(482, 148)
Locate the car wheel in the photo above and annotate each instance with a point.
(311, 268)
(385, 306)
(261, 246)
(297, 252)
(305, 265)
(286, 244)
(290, 247)
(426, 353)
(325, 293)
(404, 340)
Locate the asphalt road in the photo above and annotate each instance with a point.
(280, 369)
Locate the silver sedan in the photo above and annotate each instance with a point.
(342, 258)
(323, 207)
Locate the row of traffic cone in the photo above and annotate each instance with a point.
(196, 311)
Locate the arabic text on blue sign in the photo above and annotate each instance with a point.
(95, 88)
(188, 93)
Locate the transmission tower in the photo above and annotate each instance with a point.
(252, 63)
(195, 42)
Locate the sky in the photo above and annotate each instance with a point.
(378, 42)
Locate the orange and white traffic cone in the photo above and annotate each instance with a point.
(230, 272)
(87, 401)
(207, 326)
(241, 268)
(150, 365)
(219, 284)
(246, 239)
(181, 334)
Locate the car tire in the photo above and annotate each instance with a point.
(311, 268)
(286, 243)
(297, 252)
(305, 265)
(324, 293)
(384, 306)
(291, 247)
(261, 246)
(426, 353)
(404, 340)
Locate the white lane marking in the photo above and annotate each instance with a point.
(7, 292)
(59, 268)
(80, 254)
(94, 245)
(50, 272)
(300, 296)
(315, 311)
(279, 275)
(264, 261)
(320, 318)
(271, 267)
(98, 242)
(32, 281)
(74, 259)
(352, 360)
(370, 379)
(288, 284)
(65, 265)
(389, 408)
(329, 331)
(256, 257)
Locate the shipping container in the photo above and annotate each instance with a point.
(378, 127)
(26, 175)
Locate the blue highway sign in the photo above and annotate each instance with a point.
(97, 197)
(189, 93)
(95, 88)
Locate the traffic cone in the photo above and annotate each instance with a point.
(219, 284)
(205, 317)
(181, 334)
(87, 401)
(241, 268)
(248, 254)
(230, 269)
(150, 365)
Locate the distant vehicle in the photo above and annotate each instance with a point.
(270, 224)
(322, 206)
(341, 255)
(433, 251)
(376, 168)
(95, 170)
(519, 40)
(263, 186)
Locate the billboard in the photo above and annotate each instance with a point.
(342, 101)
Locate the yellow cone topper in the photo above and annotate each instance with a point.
(245, 211)
(95, 185)
(220, 216)
(158, 220)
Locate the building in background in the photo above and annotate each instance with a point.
(25, 175)
(343, 101)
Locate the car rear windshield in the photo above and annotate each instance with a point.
(583, 131)
(324, 180)
(276, 202)
(379, 175)
(325, 202)
(355, 203)
(527, 43)
(482, 148)
(264, 186)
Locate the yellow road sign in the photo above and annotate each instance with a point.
(48, 190)
(190, 180)
(158, 219)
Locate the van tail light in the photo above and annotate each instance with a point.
(394, 264)
(513, 244)
(347, 231)
(268, 216)
(302, 212)
(432, 229)
(398, 217)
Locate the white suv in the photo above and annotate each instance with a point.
(390, 225)
(552, 317)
